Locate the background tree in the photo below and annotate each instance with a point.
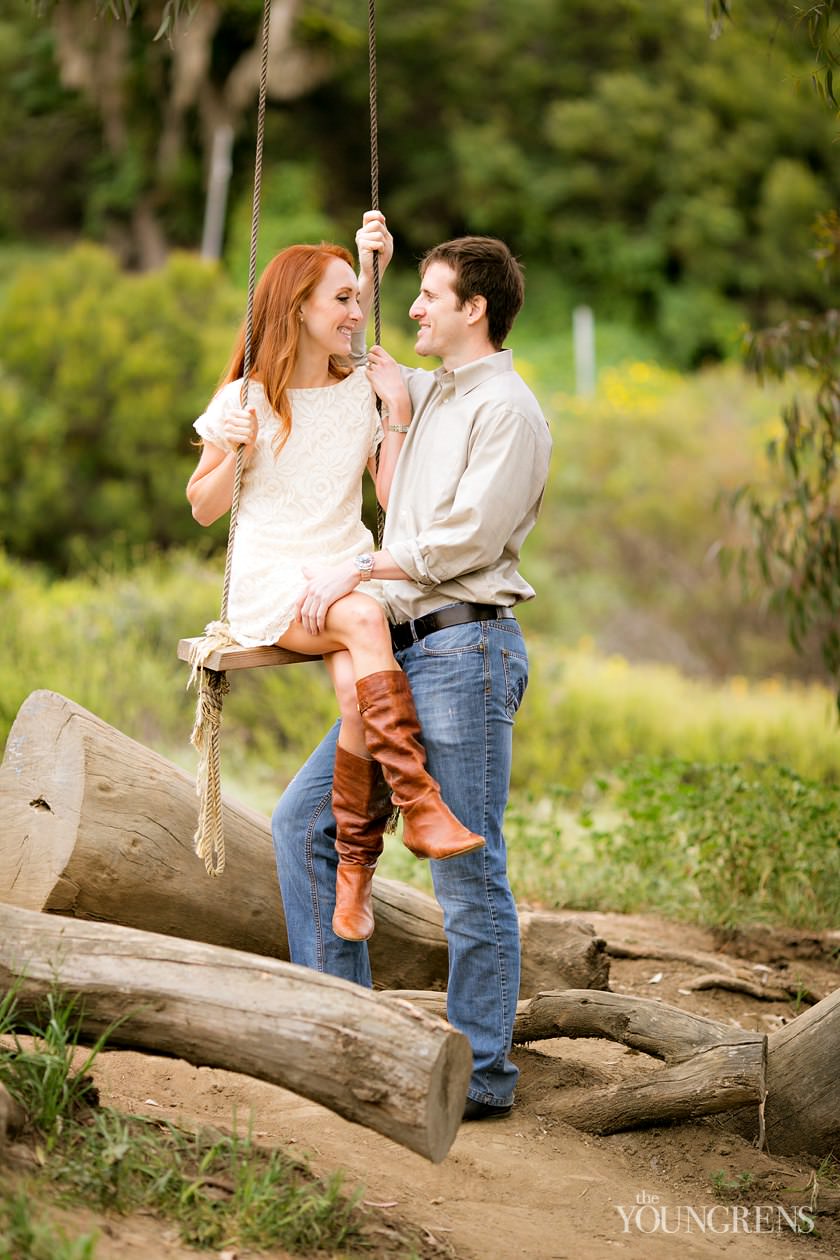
(795, 549)
(102, 375)
(661, 175)
(161, 104)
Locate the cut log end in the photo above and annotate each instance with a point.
(448, 1084)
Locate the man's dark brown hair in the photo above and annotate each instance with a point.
(484, 267)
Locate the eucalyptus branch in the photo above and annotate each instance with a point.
(174, 12)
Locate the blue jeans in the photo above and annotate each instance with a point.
(467, 683)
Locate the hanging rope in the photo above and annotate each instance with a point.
(374, 205)
(213, 686)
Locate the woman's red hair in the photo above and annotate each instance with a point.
(283, 287)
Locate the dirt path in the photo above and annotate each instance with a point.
(529, 1186)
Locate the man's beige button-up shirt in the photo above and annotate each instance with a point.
(467, 487)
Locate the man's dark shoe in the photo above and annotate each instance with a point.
(484, 1111)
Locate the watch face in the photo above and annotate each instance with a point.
(364, 562)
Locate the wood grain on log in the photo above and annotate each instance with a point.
(765, 988)
(94, 825)
(802, 1113)
(373, 1060)
(654, 1028)
(667, 953)
(716, 1079)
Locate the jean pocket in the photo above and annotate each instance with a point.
(454, 640)
(515, 666)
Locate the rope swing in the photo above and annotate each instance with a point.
(217, 647)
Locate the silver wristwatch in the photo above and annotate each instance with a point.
(364, 565)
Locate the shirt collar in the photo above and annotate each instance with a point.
(462, 379)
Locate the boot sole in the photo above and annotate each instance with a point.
(424, 857)
(342, 937)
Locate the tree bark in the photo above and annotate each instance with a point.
(95, 58)
(711, 1067)
(373, 1060)
(716, 1079)
(653, 1028)
(802, 1114)
(94, 825)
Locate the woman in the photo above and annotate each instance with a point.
(310, 431)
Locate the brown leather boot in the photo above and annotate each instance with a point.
(430, 829)
(362, 806)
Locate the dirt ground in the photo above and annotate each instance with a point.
(530, 1186)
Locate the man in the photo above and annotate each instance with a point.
(466, 491)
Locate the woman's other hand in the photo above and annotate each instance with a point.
(325, 584)
(240, 429)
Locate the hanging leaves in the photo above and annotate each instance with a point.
(795, 527)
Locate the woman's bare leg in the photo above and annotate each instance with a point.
(391, 729)
(352, 734)
(356, 623)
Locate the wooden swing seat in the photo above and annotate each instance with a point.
(237, 657)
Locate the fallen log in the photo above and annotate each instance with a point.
(667, 953)
(94, 825)
(798, 1086)
(802, 1114)
(665, 1032)
(718, 1078)
(371, 1059)
(765, 988)
(711, 1068)
(654, 1028)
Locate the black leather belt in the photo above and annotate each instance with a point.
(407, 632)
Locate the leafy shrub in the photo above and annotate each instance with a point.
(634, 520)
(746, 842)
(725, 844)
(101, 377)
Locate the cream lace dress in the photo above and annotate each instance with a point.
(303, 507)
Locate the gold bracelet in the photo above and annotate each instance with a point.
(398, 428)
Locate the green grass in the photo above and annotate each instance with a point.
(726, 845)
(41, 1076)
(219, 1190)
(722, 844)
(26, 1235)
(586, 713)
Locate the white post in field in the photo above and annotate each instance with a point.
(215, 208)
(583, 328)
